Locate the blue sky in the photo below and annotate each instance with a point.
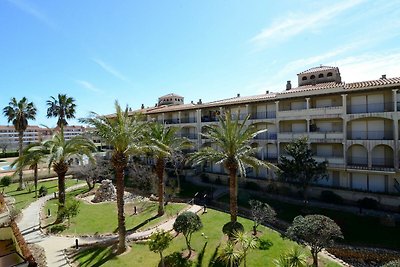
(100, 51)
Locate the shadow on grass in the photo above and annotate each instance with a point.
(264, 244)
(137, 227)
(95, 257)
(201, 255)
(214, 262)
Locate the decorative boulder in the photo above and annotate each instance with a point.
(106, 192)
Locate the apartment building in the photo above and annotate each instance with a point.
(353, 126)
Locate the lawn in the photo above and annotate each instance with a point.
(24, 198)
(356, 229)
(101, 218)
(213, 221)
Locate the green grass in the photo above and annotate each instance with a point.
(23, 198)
(356, 229)
(102, 218)
(213, 221)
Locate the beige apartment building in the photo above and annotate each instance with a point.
(353, 126)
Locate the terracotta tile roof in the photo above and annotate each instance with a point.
(166, 108)
(380, 82)
(241, 99)
(318, 69)
(318, 86)
(170, 95)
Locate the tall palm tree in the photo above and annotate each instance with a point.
(123, 132)
(61, 153)
(19, 112)
(231, 148)
(163, 143)
(32, 156)
(62, 107)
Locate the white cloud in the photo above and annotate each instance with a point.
(88, 86)
(111, 70)
(33, 11)
(294, 24)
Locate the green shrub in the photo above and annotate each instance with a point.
(395, 263)
(368, 203)
(330, 197)
(11, 154)
(176, 260)
(58, 228)
(231, 228)
(5, 181)
(42, 191)
(252, 186)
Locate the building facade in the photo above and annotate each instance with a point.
(353, 126)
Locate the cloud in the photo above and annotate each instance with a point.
(294, 24)
(111, 70)
(89, 86)
(34, 12)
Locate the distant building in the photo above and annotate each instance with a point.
(354, 126)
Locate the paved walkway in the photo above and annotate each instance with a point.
(54, 246)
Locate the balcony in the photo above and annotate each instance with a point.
(188, 120)
(263, 115)
(333, 160)
(382, 163)
(208, 119)
(190, 135)
(171, 121)
(291, 135)
(358, 162)
(326, 111)
(241, 116)
(326, 135)
(370, 108)
(266, 136)
(370, 135)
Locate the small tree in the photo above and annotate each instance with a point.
(230, 256)
(294, 258)
(187, 223)
(159, 241)
(71, 209)
(261, 212)
(317, 231)
(301, 169)
(246, 243)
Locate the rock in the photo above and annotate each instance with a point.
(106, 192)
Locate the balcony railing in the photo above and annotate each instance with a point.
(370, 107)
(299, 107)
(188, 120)
(382, 162)
(266, 136)
(171, 121)
(208, 119)
(189, 135)
(263, 115)
(241, 116)
(370, 135)
(357, 161)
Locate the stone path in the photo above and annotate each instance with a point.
(54, 246)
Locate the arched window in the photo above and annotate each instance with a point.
(312, 77)
(329, 74)
(321, 75)
(304, 78)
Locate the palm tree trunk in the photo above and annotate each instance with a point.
(35, 175)
(119, 162)
(160, 164)
(233, 194)
(21, 185)
(61, 169)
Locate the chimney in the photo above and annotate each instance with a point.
(238, 95)
(288, 85)
(155, 105)
(191, 102)
(383, 76)
(199, 102)
(267, 92)
(142, 107)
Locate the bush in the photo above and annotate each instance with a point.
(395, 263)
(176, 260)
(42, 191)
(11, 154)
(330, 197)
(5, 181)
(58, 228)
(231, 228)
(252, 186)
(368, 203)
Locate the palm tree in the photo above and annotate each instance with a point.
(163, 143)
(230, 256)
(231, 140)
(246, 242)
(32, 156)
(19, 112)
(62, 107)
(61, 153)
(123, 132)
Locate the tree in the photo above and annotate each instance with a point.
(231, 148)
(246, 243)
(317, 231)
(294, 258)
(261, 212)
(61, 153)
(187, 223)
(230, 256)
(301, 169)
(159, 241)
(32, 156)
(19, 112)
(62, 107)
(71, 209)
(123, 131)
(162, 143)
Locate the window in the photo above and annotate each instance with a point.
(312, 77)
(329, 74)
(321, 75)
(304, 78)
